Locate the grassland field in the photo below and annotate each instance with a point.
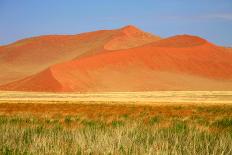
(116, 123)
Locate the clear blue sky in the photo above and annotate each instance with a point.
(210, 19)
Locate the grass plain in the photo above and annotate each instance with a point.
(116, 123)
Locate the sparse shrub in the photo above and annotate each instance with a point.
(58, 128)
(223, 123)
(68, 119)
(125, 116)
(117, 123)
(77, 118)
(39, 130)
(3, 120)
(93, 124)
(154, 120)
(47, 120)
(202, 121)
(179, 127)
(16, 120)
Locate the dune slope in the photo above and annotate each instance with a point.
(30, 56)
(181, 62)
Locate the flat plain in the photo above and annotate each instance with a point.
(168, 122)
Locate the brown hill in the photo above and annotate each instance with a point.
(177, 63)
(30, 56)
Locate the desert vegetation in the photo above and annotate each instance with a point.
(115, 129)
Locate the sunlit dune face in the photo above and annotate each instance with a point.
(181, 41)
(130, 37)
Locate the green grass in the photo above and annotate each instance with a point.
(68, 119)
(69, 135)
(154, 120)
(223, 123)
(117, 123)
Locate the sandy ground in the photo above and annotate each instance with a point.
(117, 103)
(201, 97)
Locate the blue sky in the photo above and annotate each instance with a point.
(210, 19)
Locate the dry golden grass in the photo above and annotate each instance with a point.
(104, 109)
(72, 126)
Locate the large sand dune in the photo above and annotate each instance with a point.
(133, 60)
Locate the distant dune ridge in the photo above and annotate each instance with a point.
(125, 59)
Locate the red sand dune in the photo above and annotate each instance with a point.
(181, 62)
(30, 56)
(130, 37)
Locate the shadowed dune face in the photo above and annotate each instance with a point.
(176, 63)
(30, 56)
(42, 81)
